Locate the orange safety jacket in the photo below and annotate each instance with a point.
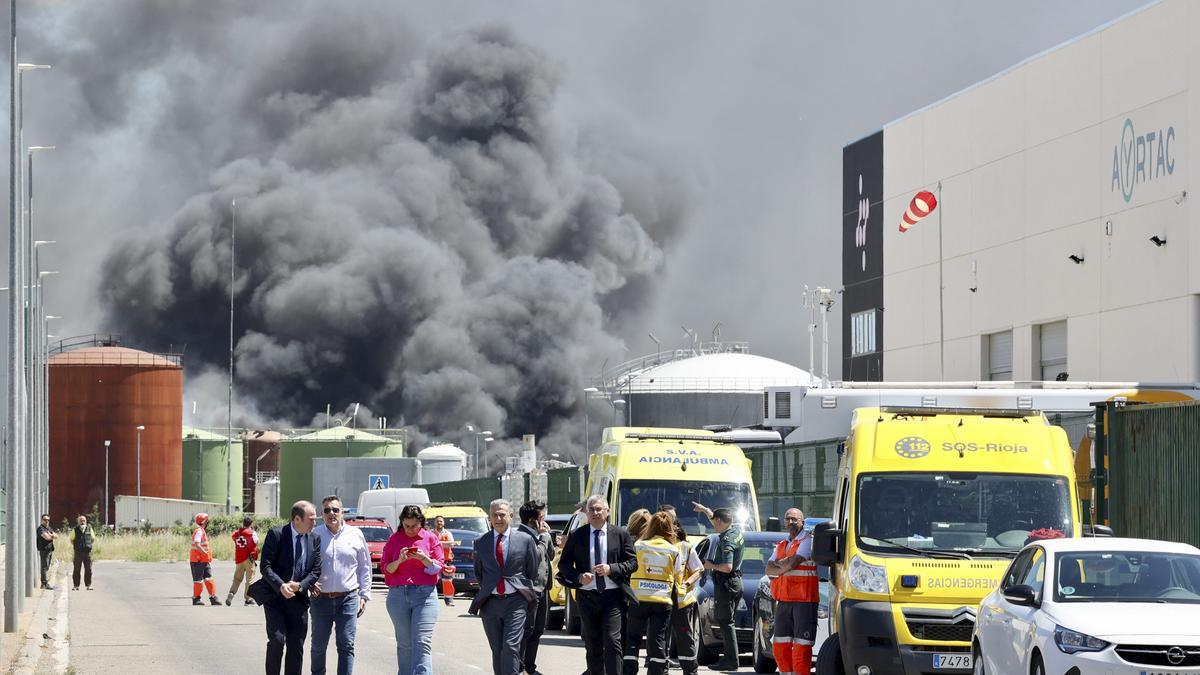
(798, 584)
(201, 553)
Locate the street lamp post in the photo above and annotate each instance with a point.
(587, 438)
(107, 443)
(140, 429)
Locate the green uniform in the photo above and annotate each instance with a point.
(727, 588)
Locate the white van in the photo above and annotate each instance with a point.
(388, 503)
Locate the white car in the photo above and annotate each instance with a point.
(1093, 605)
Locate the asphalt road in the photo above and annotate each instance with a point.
(140, 620)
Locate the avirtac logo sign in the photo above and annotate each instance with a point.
(1140, 158)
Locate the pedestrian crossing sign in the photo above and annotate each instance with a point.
(379, 481)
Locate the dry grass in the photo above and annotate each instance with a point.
(154, 547)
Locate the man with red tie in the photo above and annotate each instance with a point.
(505, 564)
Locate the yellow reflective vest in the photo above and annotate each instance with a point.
(655, 577)
(685, 595)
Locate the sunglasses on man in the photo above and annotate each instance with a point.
(332, 509)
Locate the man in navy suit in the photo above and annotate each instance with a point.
(291, 563)
(596, 561)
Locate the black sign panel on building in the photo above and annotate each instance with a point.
(862, 259)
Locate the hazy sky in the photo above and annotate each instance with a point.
(716, 127)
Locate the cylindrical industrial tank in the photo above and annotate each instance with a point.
(261, 456)
(104, 392)
(297, 453)
(204, 466)
(266, 497)
(442, 464)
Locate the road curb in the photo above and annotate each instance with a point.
(46, 634)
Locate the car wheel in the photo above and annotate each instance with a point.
(977, 658)
(763, 662)
(571, 617)
(1038, 668)
(829, 659)
(556, 618)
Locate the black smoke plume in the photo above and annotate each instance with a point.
(417, 228)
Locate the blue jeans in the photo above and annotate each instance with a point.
(328, 613)
(414, 611)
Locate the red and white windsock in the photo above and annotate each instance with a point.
(920, 206)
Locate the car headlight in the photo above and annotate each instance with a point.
(867, 578)
(764, 587)
(1070, 641)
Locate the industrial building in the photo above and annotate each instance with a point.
(116, 421)
(207, 456)
(711, 383)
(348, 477)
(297, 452)
(1063, 244)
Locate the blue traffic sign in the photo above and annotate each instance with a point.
(379, 481)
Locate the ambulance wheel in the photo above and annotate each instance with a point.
(571, 617)
(829, 659)
(763, 663)
(555, 618)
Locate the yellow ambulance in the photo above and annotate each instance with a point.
(643, 468)
(931, 506)
(646, 467)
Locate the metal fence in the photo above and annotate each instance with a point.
(1153, 471)
(803, 475)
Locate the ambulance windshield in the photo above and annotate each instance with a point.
(968, 512)
(650, 494)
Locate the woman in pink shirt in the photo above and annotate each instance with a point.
(412, 564)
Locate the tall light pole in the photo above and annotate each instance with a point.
(140, 429)
(107, 443)
(15, 433)
(587, 438)
(32, 352)
(42, 449)
(229, 418)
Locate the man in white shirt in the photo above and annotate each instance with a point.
(340, 596)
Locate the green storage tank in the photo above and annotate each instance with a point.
(204, 467)
(296, 454)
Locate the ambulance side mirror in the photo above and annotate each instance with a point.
(827, 548)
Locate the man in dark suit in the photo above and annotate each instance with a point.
(506, 566)
(597, 561)
(291, 563)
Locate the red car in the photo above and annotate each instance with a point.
(376, 531)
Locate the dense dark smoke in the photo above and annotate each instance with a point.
(416, 228)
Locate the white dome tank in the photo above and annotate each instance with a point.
(442, 464)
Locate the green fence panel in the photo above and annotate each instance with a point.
(802, 475)
(1154, 471)
(481, 491)
(565, 487)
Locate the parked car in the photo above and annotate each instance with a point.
(1110, 605)
(376, 531)
(759, 547)
(764, 612)
(464, 561)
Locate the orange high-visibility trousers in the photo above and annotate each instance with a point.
(795, 632)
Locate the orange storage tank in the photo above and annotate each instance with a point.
(100, 393)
